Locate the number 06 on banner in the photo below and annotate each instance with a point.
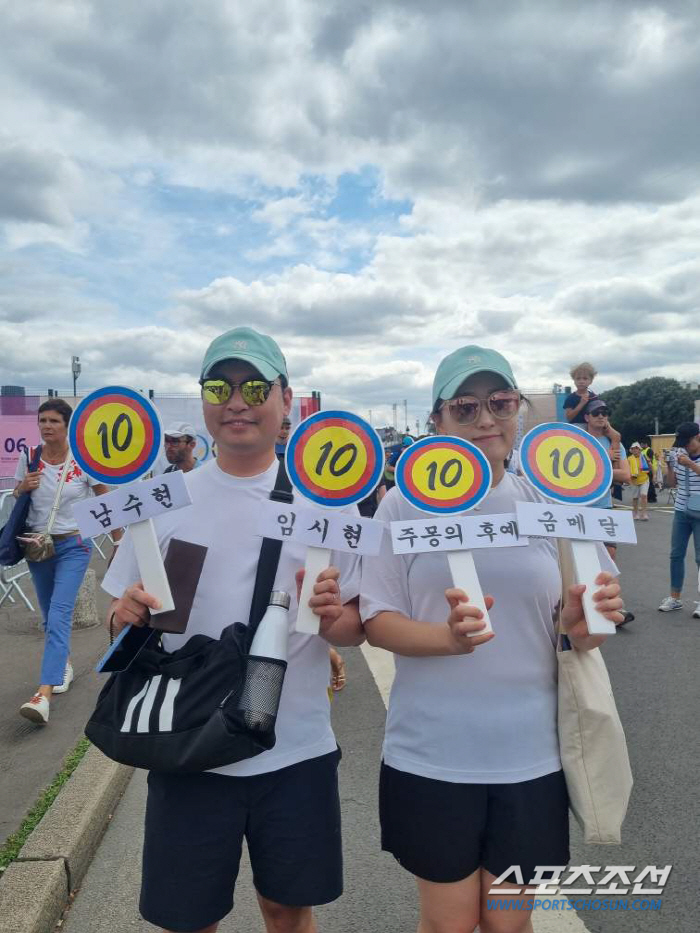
(333, 459)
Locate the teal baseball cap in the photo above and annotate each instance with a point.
(244, 343)
(465, 362)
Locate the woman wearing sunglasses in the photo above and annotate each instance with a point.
(471, 781)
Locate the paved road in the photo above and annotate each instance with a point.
(31, 755)
(653, 665)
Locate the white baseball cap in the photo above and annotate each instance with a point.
(180, 429)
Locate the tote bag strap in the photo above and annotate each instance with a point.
(57, 498)
(268, 561)
(568, 578)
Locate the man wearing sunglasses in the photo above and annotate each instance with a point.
(180, 440)
(284, 802)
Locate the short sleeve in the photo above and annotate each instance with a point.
(21, 470)
(569, 402)
(384, 586)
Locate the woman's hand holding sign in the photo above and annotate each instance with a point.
(466, 622)
(607, 601)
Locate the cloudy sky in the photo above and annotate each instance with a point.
(374, 184)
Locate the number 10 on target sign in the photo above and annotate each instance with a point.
(334, 459)
(445, 476)
(115, 436)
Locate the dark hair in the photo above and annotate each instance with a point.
(57, 404)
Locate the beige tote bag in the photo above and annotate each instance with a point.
(591, 738)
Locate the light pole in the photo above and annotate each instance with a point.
(76, 367)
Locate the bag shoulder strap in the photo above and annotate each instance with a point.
(269, 559)
(31, 467)
(57, 498)
(568, 578)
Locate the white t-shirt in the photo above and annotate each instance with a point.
(76, 487)
(223, 517)
(487, 717)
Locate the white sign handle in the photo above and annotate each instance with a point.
(464, 577)
(317, 560)
(586, 569)
(150, 563)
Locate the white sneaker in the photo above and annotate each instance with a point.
(696, 612)
(37, 709)
(67, 679)
(669, 604)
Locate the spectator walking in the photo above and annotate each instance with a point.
(55, 486)
(639, 479)
(683, 474)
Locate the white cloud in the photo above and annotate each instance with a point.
(163, 177)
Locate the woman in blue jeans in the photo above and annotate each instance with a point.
(56, 580)
(683, 474)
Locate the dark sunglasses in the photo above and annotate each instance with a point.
(502, 404)
(601, 411)
(174, 440)
(253, 391)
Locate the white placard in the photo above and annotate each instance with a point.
(320, 528)
(457, 533)
(136, 502)
(464, 577)
(579, 523)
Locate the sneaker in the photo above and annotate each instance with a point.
(627, 616)
(67, 680)
(669, 604)
(36, 710)
(696, 611)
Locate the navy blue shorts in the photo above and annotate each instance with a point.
(443, 832)
(195, 826)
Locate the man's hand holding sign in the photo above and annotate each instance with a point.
(571, 468)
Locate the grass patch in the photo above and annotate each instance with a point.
(10, 849)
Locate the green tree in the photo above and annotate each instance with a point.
(634, 408)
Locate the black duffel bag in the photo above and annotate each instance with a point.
(178, 711)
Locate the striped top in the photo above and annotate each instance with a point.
(682, 489)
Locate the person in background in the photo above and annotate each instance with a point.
(56, 580)
(596, 415)
(180, 440)
(583, 375)
(392, 460)
(282, 438)
(648, 452)
(683, 475)
(639, 479)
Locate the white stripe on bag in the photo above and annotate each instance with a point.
(165, 720)
(135, 700)
(147, 705)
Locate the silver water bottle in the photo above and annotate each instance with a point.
(266, 665)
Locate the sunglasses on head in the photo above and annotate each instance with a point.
(253, 391)
(502, 404)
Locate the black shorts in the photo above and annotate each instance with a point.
(443, 832)
(195, 825)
